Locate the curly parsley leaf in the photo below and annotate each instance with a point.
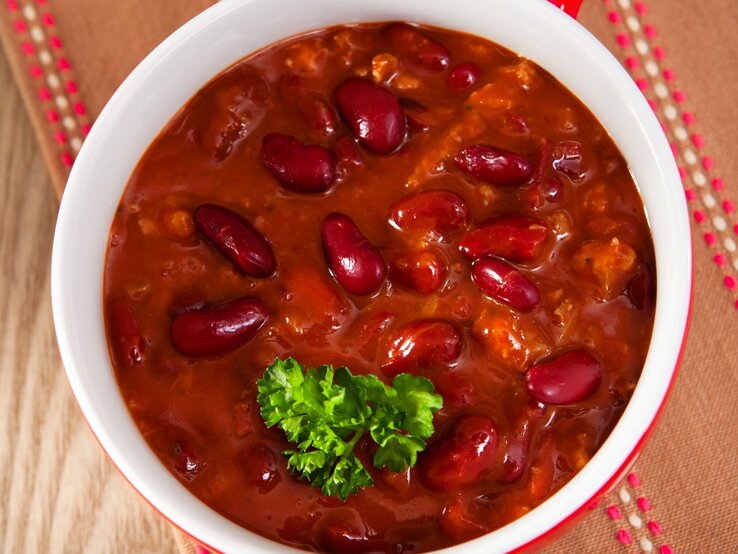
(325, 413)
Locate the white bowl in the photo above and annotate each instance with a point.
(202, 48)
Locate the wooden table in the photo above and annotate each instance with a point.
(58, 492)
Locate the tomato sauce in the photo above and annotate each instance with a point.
(394, 199)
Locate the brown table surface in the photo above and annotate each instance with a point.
(58, 493)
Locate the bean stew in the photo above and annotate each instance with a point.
(396, 199)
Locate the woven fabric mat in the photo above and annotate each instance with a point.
(68, 57)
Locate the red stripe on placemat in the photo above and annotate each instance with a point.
(51, 71)
(713, 213)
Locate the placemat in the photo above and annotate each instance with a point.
(68, 56)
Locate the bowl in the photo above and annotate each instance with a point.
(231, 29)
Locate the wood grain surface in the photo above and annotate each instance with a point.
(58, 492)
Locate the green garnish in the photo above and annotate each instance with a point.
(326, 412)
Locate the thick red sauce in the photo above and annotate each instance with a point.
(534, 374)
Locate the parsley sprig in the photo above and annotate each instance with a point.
(326, 412)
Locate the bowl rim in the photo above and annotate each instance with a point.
(63, 284)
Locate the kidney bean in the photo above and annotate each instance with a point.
(397, 481)
(126, 338)
(296, 165)
(570, 378)
(463, 77)
(457, 524)
(311, 107)
(236, 239)
(260, 466)
(342, 533)
(641, 291)
(418, 49)
(542, 470)
(461, 457)
(355, 262)
(438, 210)
(347, 153)
(373, 114)
(513, 237)
(220, 329)
(415, 126)
(186, 460)
(423, 271)
(421, 344)
(515, 125)
(567, 160)
(516, 456)
(237, 102)
(365, 332)
(503, 282)
(494, 165)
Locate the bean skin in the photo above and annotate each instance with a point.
(494, 165)
(421, 344)
(355, 262)
(513, 237)
(220, 329)
(298, 166)
(126, 338)
(503, 282)
(423, 271)
(236, 239)
(463, 77)
(462, 457)
(437, 210)
(373, 114)
(570, 378)
(418, 49)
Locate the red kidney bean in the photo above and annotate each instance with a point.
(296, 165)
(415, 126)
(438, 210)
(220, 329)
(339, 536)
(126, 338)
(397, 481)
(515, 238)
(347, 153)
(236, 239)
(261, 468)
(366, 331)
(516, 456)
(641, 291)
(457, 524)
(418, 49)
(546, 191)
(421, 344)
(355, 262)
(236, 107)
(463, 76)
(494, 165)
(461, 457)
(423, 271)
(187, 301)
(501, 281)
(373, 114)
(567, 159)
(515, 125)
(570, 378)
(186, 461)
(413, 105)
(312, 108)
